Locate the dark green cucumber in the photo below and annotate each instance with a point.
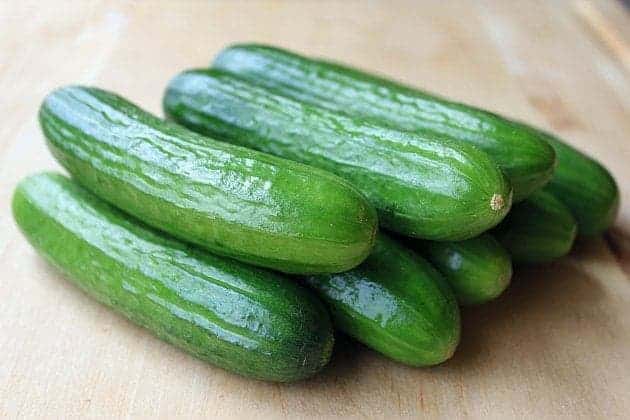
(527, 160)
(420, 187)
(538, 229)
(233, 201)
(478, 269)
(247, 320)
(585, 187)
(396, 303)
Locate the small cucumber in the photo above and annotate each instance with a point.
(585, 187)
(396, 303)
(420, 186)
(233, 201)
(537, 230)
(527, 160)
(246, 320)
(478, 269)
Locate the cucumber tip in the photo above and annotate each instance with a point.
(497, 202)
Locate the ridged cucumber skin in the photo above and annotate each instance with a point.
(395, 303)
(478, 269)
(539, 229)
(585, 187)
(247, 320)
(527, 160)
(233, 201)
(421, 187)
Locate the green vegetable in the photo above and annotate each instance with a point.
(420, 186)
(396, 303)
(230, 200)
(246, 320)
(585, 187)
(525, 158)
(537, 230)
(478, 269)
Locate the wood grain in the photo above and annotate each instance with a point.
(556, 345)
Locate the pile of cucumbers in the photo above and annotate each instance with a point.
(244, 228)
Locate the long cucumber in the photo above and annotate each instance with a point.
(247, 320)
(420, 186)
(527, 160)
(233, 201)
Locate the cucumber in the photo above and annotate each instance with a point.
(527, 160)
(537, 230)
(420, 186)
(232, 201)
(478, 269)
(247, 320)
(583, 185)
(395, 303)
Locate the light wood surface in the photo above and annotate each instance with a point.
(557, 344)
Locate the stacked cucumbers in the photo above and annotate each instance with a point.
(244, 228)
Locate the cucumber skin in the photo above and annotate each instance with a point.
(247, 320)
(395, 303)
(478, 269)
(420, 187)
(232, 201)
(583, 185)
(527, 160)
(538, 230)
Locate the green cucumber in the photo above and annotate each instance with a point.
(527, 160)
(395, 303)
(537, 230)
(585, 187)
(421, 187)
(233, 201)
(478, 269)
(247, 320)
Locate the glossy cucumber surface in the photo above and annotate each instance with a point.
(587, 188)
(247, 320)
(526, 159)
(233, 201)
(420, 186)
(537, 230)
(396, 303)
(478, 269)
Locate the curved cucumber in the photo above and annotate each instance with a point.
(420, 186)
(537, 230)
(230, 200)
(585, 187)
(246, 320)
(526, 159)
(395, 303)
(478, 269)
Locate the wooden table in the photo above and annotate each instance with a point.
(557, 344)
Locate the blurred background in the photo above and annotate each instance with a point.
(562, 65)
